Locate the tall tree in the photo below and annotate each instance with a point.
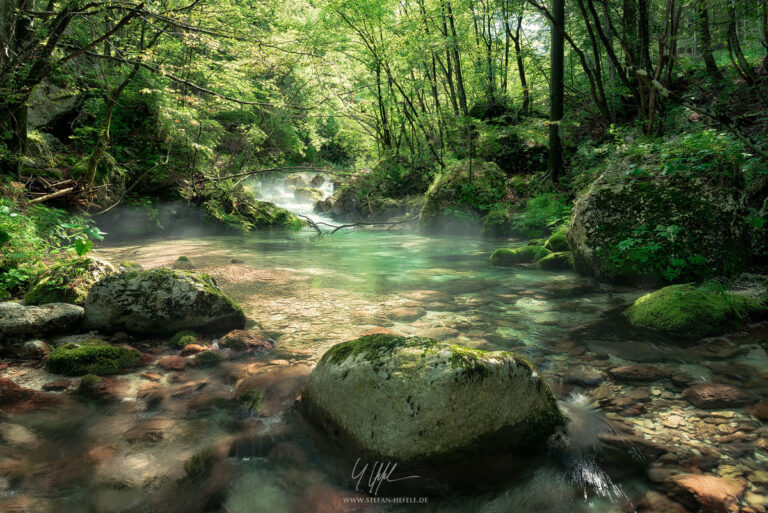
(557, 58)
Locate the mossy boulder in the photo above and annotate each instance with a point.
(183, 262)
(308, 194)
(91, 357)
(560, 261)
(160, 302)
(558, 242)
(506, 257)
(444, 401)
(68, 281)
(689, 311)
(459, 194)
(651, 227)
(238, 209)
(537, 242)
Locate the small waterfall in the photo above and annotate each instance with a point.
(296, 192)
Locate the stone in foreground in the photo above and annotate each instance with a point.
(421, 401)
(160, 302)
(19, 322)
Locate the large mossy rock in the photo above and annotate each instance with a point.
(19, 322)
(422, 401)
(689, 311)
(238, 209)
(459, 194)
(68, 281)
(160, 302)
(91, 357)
(507, 257)
(656, 228)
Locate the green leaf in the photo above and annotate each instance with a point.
(83, 246)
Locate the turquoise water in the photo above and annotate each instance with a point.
(308, 293)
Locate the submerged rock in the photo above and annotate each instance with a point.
(160, 301)
(717, 395)
(239, 340)
(506, 257)
(444, 401)
(17, 399)
(68, 281)
(19, 322)
(708, 493)
(690, 311)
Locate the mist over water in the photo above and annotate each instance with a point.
(296, 192)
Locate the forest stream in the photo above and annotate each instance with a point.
(307, 293)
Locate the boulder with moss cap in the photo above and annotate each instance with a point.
(68, 281)
(507, 257)
(160, 302)
(689, 311)
(444, 401)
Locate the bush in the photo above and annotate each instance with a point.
(541, 213)
(27, 237)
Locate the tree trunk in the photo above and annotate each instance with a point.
(556, 91)
(705, 43)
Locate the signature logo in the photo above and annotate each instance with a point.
(379, 472)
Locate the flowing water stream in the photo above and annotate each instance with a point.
(175, 441)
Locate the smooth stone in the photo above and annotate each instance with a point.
(707, 493)
(19, 322)
(717, 395)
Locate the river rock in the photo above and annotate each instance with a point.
(654, 502)
(717, 395)
(19, 322)
(443, 401)
(159, 302)
(637, 372)
(706, 493)
(68, 281)
(406, 313)
(240, 340)
(17, 399)
(710, 214)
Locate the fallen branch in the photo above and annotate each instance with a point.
(291, 169)
(62, 192)
(336, 228)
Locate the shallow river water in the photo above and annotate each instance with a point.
(177, 441)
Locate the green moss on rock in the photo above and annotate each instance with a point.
(238, 209)
(68, 281)
(690, 311)
(506, 257)
(209, 358)
(537, 242)
(504, 404)
(557, 261)
(557, 242)
(91, 357)
(184, 338)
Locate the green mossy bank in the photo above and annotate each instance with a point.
(689, 311)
